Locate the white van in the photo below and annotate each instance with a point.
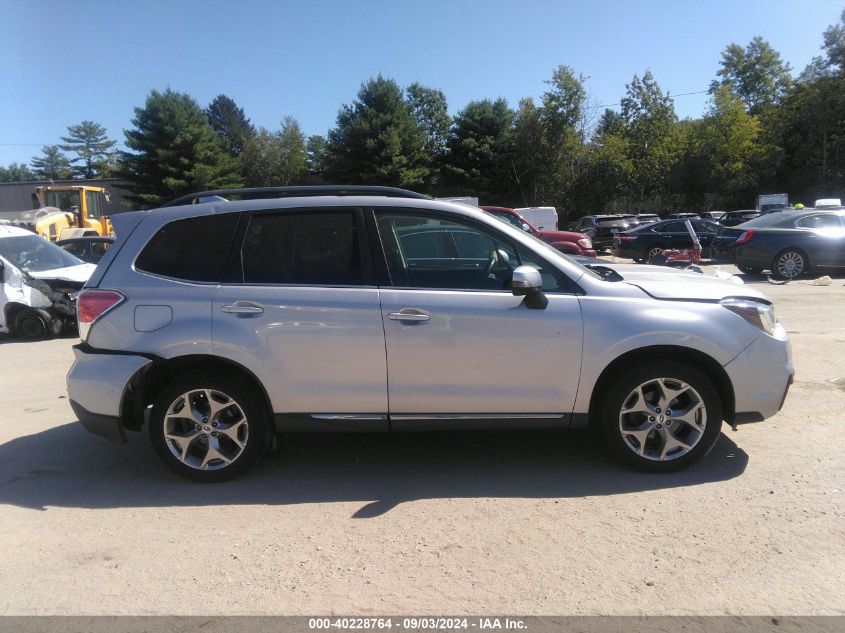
(544, 218)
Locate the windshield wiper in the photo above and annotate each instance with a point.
(606, 273)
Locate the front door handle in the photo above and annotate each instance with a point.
(242, 307)
(409, 314)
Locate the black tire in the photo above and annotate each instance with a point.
(749, 270)
(33, 325)
(702, 441)
(255, 437)
(800, 264)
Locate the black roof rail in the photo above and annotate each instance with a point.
(258, 193)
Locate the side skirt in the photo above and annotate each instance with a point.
(374, 422)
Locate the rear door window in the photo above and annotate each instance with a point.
(319, 248)
(193, 249)
(819, 221)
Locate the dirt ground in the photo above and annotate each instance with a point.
(526, 523)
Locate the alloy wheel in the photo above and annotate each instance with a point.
(662, 419)
(790, 264)
(205, 429)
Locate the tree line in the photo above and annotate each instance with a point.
(763, 131)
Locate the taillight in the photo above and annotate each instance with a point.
(91, 304)
(745, 237)
(627, 238)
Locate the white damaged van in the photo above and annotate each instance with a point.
(40, 283)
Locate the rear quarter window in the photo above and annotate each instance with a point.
(193, 249)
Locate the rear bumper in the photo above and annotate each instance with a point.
(722, 253)
(96, 383)
(107, 426)
(761, 376)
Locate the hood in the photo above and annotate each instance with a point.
(681, 286)
(562, 236)
(79, 273)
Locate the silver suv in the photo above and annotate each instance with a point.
(221, 324)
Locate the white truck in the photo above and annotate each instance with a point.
(771, 201)
(544, 218)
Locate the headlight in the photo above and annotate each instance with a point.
(759, 314)
(585, 242)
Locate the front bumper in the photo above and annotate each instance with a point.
(96, 383)
(761, 375)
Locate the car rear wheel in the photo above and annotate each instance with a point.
(789, 264)
(653, 252)
(208, 428)
(662, 417)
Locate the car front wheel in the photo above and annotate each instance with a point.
(208, 428)
(662, 417)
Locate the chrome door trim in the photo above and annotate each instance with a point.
(349, 416)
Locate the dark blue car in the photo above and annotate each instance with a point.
(788, 243)
(647, 241)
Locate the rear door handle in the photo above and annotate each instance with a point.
(409, 314)
(242, 307)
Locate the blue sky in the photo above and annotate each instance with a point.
(65, 61)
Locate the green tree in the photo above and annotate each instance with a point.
(527, 163)
(757, 73)
(479, 146)
(230, 123)
(16, 172)
(811, 133)
(834, 45)
(730, 141)
(376, 140)
(52, 164)
(428, 106)
(91, 144)
(174, 151)
(315, 152)
(562, 114)
(610, 123)
(653, 147)
(275, 158)
(606, 174)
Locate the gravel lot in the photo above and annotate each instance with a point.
(527, 523)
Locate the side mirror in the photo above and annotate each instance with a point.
(527, 282)
(526, 228)
(107, 196)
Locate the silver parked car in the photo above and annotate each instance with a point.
(220, 324)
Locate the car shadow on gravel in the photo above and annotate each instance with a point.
(66, 467)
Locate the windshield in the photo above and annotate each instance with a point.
(507, 217)
(31, 253)
(550, 252)
(64, 200)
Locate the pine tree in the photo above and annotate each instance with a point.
(91, 144)
(230, 123)
(174, 151)
(52, 164)
(376, 140)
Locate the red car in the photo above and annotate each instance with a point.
(564, 241)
